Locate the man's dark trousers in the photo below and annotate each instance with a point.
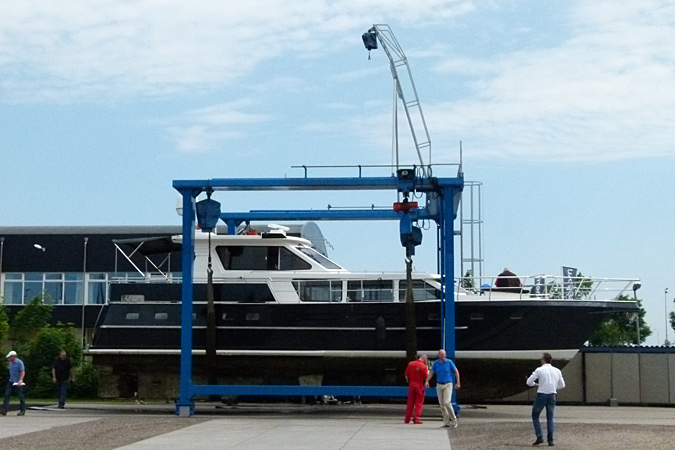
(8, 395)
(62, 391)
(543, 401)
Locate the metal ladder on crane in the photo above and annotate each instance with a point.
(404, 90)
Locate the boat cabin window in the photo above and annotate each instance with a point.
(240, 257)
(421, 291)
(236, 292)
(318, 290)
(318, 257)
(370, 291)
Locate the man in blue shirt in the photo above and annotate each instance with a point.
(447, 378)
(15, 382)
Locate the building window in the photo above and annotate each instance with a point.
(73, 289)
(53, 288)
(97, 288)
(13, 289)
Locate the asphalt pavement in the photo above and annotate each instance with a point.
(326, 427)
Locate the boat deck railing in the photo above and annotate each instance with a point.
(380, 290)
(547, 287)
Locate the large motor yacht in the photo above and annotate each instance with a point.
(284, 311)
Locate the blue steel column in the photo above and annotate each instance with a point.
(440, 258)
(448, 263)
(448, 271)
(185, 406)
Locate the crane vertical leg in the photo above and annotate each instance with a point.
(185, 406)
(447, 271)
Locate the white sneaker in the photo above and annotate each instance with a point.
(455, 423)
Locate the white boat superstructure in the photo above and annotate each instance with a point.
(296, 272)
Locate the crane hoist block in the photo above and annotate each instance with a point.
(370, 40)
(208, 214)
(411, 235)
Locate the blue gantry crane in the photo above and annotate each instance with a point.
(441, 196)
(441, 200)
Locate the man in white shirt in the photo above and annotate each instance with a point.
(548, 380)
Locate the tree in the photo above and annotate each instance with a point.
(4, 322)
(672, 320)
(619, 329)
(38, 344)
(30, 319)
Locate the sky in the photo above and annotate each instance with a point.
(564, 110)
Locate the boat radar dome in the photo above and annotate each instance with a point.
(276, 230)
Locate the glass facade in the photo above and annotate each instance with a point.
(55, 288)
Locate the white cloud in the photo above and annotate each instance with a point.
(205, 129)
(71, 50)
(607, 92)
(226, 114)
(353, 75)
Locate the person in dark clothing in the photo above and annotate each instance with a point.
(61, 376)
(508, 281)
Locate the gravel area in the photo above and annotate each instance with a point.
(507, 435)
(105, 433)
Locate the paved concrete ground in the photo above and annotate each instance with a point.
(577, 427)
(292, 426)
(301, 434)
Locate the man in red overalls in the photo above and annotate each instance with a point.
(416, 375)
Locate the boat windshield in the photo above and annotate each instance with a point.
(318, 257)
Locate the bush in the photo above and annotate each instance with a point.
(86, 381)
(42, 385)
(4, 322)
(39, 353)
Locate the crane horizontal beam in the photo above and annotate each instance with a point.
(421, 184)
